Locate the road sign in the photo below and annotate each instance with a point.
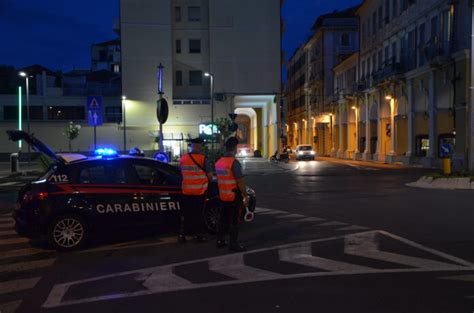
(94, 111)
(162, 110)
(94, 118)
(446, 150)
(94, 103)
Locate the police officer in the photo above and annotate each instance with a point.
(232, 193)
(197, 172)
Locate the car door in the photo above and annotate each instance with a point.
(103, 186)
(161, 201)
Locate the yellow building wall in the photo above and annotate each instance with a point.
(401, 139)
(420, 125)
(444, 123)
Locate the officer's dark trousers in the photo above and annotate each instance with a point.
(191, 215)
(229, 221)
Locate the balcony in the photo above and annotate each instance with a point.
(390, 71)
(437, 52)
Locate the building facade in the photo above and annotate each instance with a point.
(414, 62)
(311, 79)
(238, 43)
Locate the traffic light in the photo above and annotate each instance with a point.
(233, 126)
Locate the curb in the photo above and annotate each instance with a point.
(462, 183)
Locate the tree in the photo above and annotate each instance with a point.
(72, 132)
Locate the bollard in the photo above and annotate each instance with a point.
(14, 163)
(447, 166)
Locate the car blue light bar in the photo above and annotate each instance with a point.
(106, 152)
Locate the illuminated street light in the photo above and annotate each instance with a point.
(388, 97)
(124, 121)
(211, 76)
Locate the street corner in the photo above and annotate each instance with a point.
(447, 183)
(363, 253)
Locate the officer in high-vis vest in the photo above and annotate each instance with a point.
(197, 173)
(233, 195)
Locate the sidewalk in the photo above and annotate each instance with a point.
(372, 164)
(25, 169)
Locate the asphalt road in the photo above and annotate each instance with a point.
(327, 238)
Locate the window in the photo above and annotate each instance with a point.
(102, 174)
(179, 78)
(422, 40)
(386, 56)
(404, 5)
(113, 114)
(194, 14)
(66, 113)
(422, 145)
(116, 68)
(345, 40)
(380, 17)
(177, 14)
(195, 78)
(10, 112)
(434, 27)
(363, 69)
(387, 11)
(194, 46)
(394, 52)
(368, 26)
(177, 45)
(148, 175)
(374, 22)
(380, 58)
(394, 8)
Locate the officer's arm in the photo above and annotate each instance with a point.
(208, 168)
(242, 187)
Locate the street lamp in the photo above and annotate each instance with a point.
(26, 76)
(211, 76)
(124, 121)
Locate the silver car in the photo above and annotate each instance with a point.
(305, 152)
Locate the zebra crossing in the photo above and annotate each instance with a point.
(18, 258)
(367, 252)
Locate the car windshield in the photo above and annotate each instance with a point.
(306, 148)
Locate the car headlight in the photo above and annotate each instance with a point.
(243, 153)
(300, 152)
(312, 152)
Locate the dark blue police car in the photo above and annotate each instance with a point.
(79, 196)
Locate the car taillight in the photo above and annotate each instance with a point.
(32, 196)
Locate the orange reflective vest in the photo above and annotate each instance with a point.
(195, 180)
(225, 179)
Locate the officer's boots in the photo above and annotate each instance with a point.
(234, 245)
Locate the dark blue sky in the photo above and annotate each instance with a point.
(58, 33)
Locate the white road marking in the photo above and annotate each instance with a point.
(233, 266)
(25, 266)
(351, 228)
(18, 285)
(309, 219)
(302, 255)
(9, 184)
(55, 298)
(261, 210)
(333, 223)
(12, 241)
(291, 216)
(10, 307)
(366, 245)
(7, 233)
(164, 279)
(468, 278)
(20, 253)
(273, 212)
(6, 214)
(6, 220)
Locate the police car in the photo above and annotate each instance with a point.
(79, 196)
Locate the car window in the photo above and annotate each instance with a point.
(305, 148)
(148, 175)
(102, 174)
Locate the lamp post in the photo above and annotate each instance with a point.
(124, 121)
(211, 76)
(356, 110)
(26, 76)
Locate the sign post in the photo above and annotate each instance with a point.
(162, 109)
(94, 114)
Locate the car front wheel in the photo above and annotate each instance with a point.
(211, 217)
(67, 232)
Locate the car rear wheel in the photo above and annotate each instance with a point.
(212, 215)
(67, 232)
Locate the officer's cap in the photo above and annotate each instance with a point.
(196, 140)
(231, 142)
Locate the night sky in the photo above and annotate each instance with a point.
(58, 33)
